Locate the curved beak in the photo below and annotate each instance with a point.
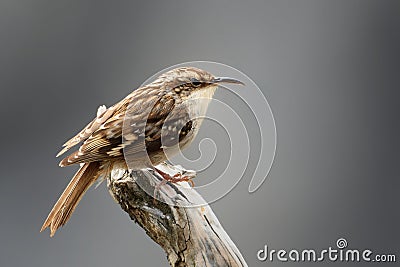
(227, 80)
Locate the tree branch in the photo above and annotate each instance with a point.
(180, 221)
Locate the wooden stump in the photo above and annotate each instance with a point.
(180, 221)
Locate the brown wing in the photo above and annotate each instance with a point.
(167, 124)
(142, 112)
(89, 129)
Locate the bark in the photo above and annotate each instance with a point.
(180, 221)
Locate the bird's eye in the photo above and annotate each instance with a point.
(195, 82)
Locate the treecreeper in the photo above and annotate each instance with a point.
(141, 131)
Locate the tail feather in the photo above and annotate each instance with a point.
(69, 199)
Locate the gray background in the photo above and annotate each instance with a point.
(330, 70)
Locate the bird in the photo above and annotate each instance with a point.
(141, 131)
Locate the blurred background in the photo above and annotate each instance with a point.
(329, 69)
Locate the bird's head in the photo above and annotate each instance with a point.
(190, 81)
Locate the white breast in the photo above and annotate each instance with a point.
(199, 101)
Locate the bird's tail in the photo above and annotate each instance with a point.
(69, 199)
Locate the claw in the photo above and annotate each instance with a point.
(175, 178)
(178, 177)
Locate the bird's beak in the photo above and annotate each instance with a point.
(219, 80)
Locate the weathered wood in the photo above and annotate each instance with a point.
(180, 221)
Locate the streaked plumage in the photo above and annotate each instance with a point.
(140, 128)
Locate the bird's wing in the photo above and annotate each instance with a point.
(88, 130)
(142, 112)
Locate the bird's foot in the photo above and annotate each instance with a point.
(179, 177)
(176, 178)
